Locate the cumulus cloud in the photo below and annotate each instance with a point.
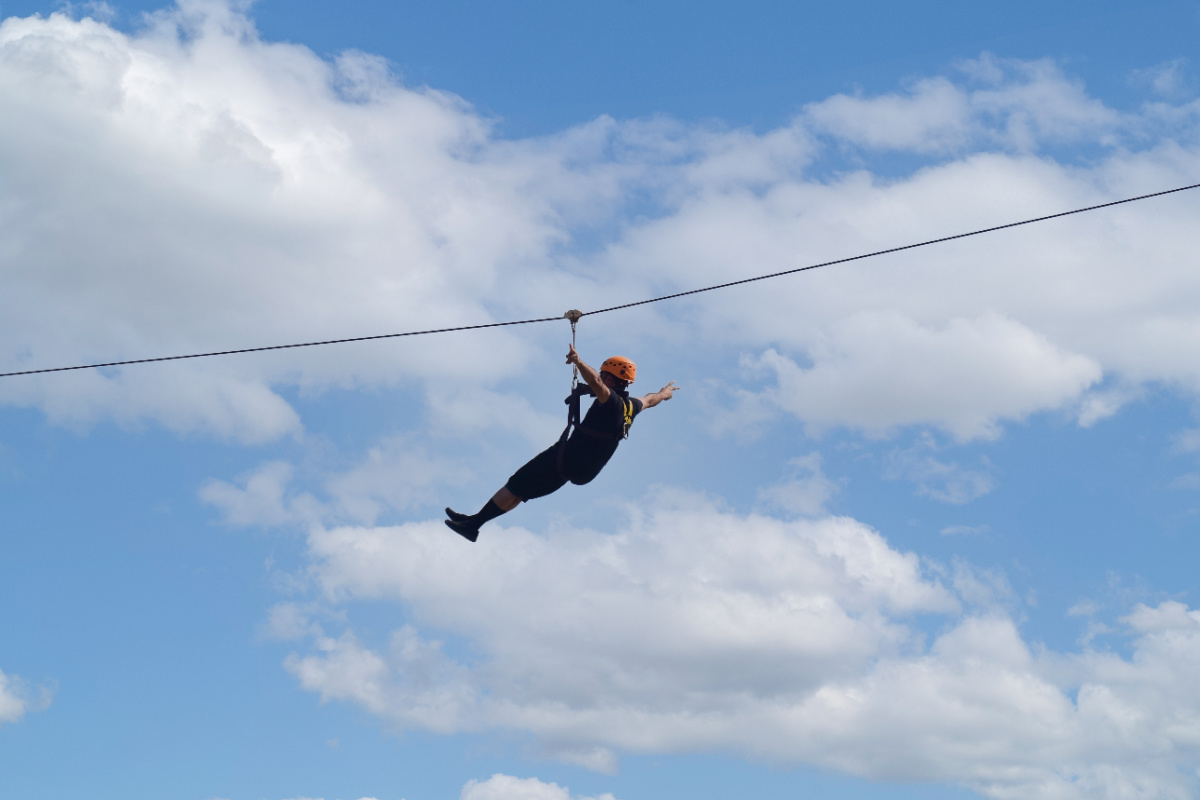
(192, 187)
(398, 474)
(1012, 104)
(684, 612)
(17, 698)
(961, 336)
(693, 629)
(965, 377)
(950, 338)
(933, 115)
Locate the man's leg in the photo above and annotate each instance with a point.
(468, 526)
(537, 478)
(504, 500)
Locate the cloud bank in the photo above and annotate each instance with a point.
(692, 629)
(191, 187)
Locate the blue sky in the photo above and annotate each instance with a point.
(919, 526)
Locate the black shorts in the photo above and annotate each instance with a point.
(539, 477)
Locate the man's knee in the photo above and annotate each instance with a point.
(506, 499)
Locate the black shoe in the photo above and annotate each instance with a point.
(463, 529)
(454, 515)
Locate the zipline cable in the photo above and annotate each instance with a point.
(891, 250)
(574, 315)
(279, 347)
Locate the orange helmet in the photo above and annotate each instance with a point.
(620, 367)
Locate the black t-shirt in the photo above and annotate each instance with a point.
(593, 443)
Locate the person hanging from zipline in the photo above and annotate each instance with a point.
(579, 455)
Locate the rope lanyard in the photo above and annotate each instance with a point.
(572, 403)
(574, 316)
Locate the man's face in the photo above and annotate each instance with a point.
(611, 381)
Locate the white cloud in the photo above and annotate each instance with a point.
(289, 622)
(260, 502)
(17, 698)
(1014, 104)
(985, 591)
(1033, 102)
(475, 410)
(1170, 616)
(685, 612)
(193, 187)
(395, 475)
(1099, 405)
(413, 683)
(221, 176)
(506, 787)
(934, 115)
(947, 482)
(693, 629)
(1169, 79)
(882, 371)
(186, 401)
(963, 336)
(806, 492)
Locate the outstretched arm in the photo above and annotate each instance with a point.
(654, 398)
(590, 376)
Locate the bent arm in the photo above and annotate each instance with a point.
(590, 376)
(654, 398)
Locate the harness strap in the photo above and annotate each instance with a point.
(572, 402)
